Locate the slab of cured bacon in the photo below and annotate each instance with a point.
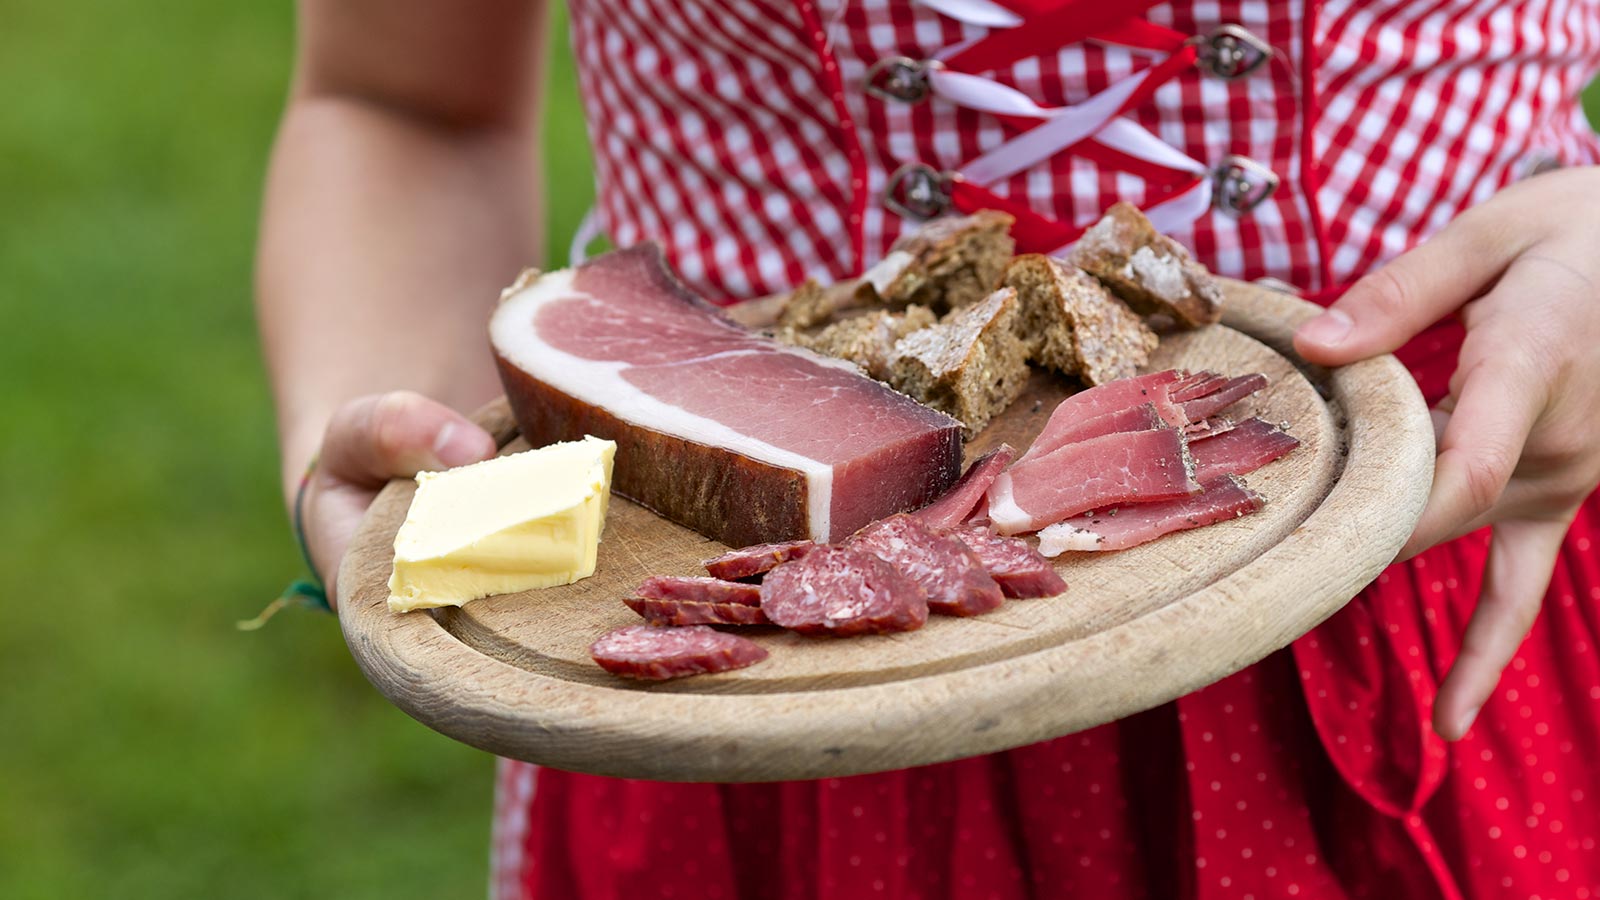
(730, 433)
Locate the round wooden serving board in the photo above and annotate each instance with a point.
(512, 675)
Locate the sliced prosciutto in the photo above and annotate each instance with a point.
(1018, 568)
(737, 436)
(1207, 428)
(1219, 396)
(1122, 527)
(959, 502)
(1240, 450)
(1197, 385)
(748, 561)
(1080, 416)
(1127, 467)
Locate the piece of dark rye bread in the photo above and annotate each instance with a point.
(949, 263)
(971, 365)
(1153, 273)
(868, 339)
(811, 304)
(1073, 325)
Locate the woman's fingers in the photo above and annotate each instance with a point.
(369, 441)
(1521, 558)
(1482, 440)
(375, 438)
(1391, 305)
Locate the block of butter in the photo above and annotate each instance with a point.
(512, 523)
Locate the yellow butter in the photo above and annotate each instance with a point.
(512, 523)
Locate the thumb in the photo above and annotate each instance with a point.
(1393, 304)
(382, 436)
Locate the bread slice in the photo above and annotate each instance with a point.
(1071, 323)
(868, 339)
(948, 263)
(811, 304)
(1153, 273)
(971, 365)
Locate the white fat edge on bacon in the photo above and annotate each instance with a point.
(1004, 513)
(601, 384)
(1062, 536)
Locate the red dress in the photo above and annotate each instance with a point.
(738, 134)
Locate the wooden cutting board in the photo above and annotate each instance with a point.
(511, 674)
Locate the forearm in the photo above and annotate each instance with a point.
(385, 242)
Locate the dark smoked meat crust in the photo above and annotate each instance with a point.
(649, 653)
(730, 497)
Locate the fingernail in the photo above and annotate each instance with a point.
(457, 446)
(1329, 329)
(1467, 720)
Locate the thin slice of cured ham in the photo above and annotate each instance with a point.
(698, 589)
(1207, 428)
(959, 502)
(1127, 467)
(950, 574)
(735, 435)
(1122, 527)
(1219, 397)
(1069, 421)
(1241, 450)
(1197, 385)
(748, 561)
(842, 591)
(1019, 569)
(688, 612)
(650, 653)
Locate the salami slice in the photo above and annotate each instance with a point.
(698, 589)
(949, 573)
(688, 612)
(1019, 569)
(749, 561)
(656, 654)
(842, 591)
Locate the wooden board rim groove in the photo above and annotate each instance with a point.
(1348, 538)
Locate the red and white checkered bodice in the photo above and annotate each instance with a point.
(738, 133)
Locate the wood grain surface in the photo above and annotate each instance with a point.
(511, 674)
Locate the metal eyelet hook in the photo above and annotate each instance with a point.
(1241, 184)
(917, 191)
(899, 78)
(1230, 52)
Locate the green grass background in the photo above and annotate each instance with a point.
(149, 750)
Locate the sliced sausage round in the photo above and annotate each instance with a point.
(842, 591)
(656, 654)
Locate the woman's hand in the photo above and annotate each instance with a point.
(369, 441)
(1519, 434)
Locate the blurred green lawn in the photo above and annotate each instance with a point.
(149, 749)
